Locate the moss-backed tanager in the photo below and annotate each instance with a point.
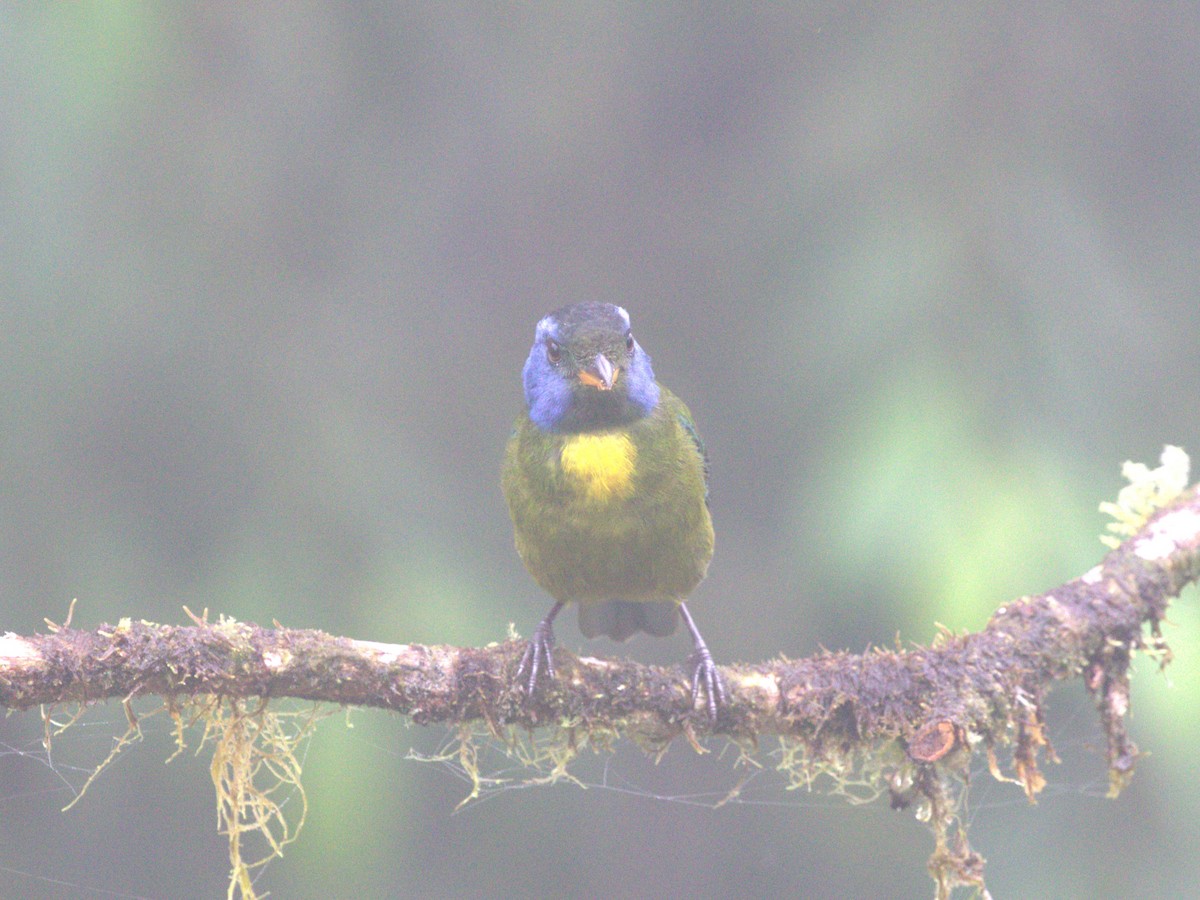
(606, 481)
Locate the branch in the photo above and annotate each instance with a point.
(972, 682)
(910, 718)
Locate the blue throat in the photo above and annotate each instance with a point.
(564, 405)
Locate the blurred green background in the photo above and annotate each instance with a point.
(925, 273)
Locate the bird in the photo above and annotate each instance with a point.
(606, 481)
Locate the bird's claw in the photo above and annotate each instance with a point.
(707, 680)
(538, 659)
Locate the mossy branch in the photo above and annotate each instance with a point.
(911, 718)
(1088, 626)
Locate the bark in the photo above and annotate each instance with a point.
(911, 716)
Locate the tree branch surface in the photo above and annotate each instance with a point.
(929, 707)
(1088, 626)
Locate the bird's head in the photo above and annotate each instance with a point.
(585, 370)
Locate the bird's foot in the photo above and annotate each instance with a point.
(707, 680)
(538, 658)
(705, 677)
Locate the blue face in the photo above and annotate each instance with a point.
(586, 372)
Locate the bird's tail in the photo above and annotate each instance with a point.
(620, 619)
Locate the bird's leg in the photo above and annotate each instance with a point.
(538, 655)
(705, 676)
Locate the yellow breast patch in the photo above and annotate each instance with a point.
(601, 464)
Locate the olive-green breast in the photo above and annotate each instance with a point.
(611, 515)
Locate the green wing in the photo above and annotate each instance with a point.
(685, 421)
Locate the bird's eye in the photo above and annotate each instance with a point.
(553, 351)
(629, 341)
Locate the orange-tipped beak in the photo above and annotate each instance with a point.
(599, 374)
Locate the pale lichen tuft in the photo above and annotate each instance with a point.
(1148, 490)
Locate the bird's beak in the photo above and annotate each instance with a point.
(599, 373)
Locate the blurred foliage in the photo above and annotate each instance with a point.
(924, 273)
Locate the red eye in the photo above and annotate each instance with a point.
(553, 351)
(629, 342)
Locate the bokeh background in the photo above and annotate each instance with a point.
(925, 273)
